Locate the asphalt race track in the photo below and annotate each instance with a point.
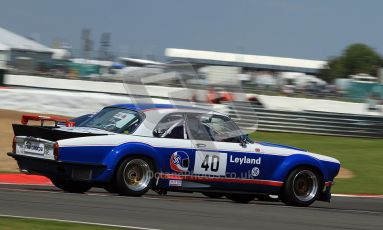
(188, 211)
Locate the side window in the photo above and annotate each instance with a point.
(171, 126)
(197, 127)
(211, 127)
(224, 129)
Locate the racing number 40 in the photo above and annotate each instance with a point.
(211, 162)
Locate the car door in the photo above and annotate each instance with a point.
(223, 152)
(172, 143)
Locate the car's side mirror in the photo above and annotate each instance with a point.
(242, 141)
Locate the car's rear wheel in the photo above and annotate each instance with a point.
(213, 195)
(302, 187)
(71, 186)
(241, 198)
(134, 176)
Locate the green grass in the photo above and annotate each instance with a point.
(10, 223)
(363, 156)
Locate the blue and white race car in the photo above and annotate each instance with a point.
(131, 148)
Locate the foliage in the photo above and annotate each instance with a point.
(356, 58)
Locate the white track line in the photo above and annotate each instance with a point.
(79, 222)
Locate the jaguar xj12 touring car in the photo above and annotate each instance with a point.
(129, 149)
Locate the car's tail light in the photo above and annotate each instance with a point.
(14, 144)
(56, 151)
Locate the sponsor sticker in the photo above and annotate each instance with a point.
(120, 119)
(175, 183)
(179, 161)
(34, 147)
(245, 160)
(255, 171)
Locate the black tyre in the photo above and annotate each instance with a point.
(302, 187)
(213, 195)
(134, 177)
(71, 186)
(111, 188)
(241, 198)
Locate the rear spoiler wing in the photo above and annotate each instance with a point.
(56, 119)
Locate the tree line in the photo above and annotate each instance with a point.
(355, 59)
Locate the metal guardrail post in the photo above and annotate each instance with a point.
(2, 76)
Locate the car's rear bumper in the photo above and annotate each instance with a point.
(89, 172)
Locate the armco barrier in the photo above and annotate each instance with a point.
(310, 122)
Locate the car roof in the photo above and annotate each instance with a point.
(146, 107)
(155, 112)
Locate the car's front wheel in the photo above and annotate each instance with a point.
(110, 187)
(302, 187)
(71, 186)
(134, 176)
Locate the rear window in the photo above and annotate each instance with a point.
(117, 120)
